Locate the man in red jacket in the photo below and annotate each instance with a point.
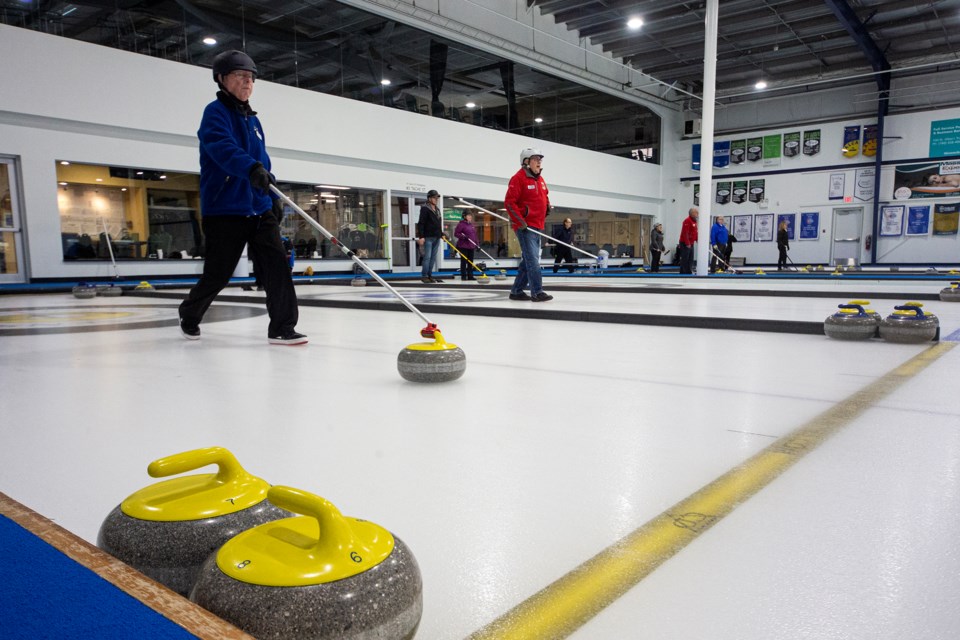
(688, 236)
(527, 202)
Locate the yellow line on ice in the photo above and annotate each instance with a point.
(564, 606)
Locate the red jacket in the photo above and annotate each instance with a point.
(527, 199)
(688, 231)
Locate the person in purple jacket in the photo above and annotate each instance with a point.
(467, 241)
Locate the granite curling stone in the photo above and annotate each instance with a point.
(851, 322)
(358, 282)
(908, 324)
(144, 286)
(320, 576)
(83, 291)
(168, 529)
(951, 293)
(500, 275)
(109, 290)
(484, 279)
(437, 361)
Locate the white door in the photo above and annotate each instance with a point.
(11, 235)
(404, 212)
(847, 227)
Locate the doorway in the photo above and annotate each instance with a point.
(847, 229)
(404, 212)
(11, 233)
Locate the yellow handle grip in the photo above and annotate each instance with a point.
(335, 532)
(229, 468)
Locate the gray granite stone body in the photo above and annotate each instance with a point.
(172, 552)
(109, 291)
(851, 327)
(358, 282)
(431, 366)
(383, 603)
(84, 292)
(907, 330)
(950, 294)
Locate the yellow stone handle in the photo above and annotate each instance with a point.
(229, 468)
(336, 534)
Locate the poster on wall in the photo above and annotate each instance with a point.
(721, 154)
(696, 194)
(863, 183)
(927, 180)
(838, 183)
(739, 193)
(945, 138)
(757, 190)
(891, 220)
(738, 151)
(791, 220)
(723, 193)
(945, 219)
(811, 142)
(791, 144)
(763, 227)
(809, 225)
(754, 149)
(869, 148)
(851, 141)
(743, 228)
(918, 220)
(771, 150)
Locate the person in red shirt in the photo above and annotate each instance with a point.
(688, 236)
(527, 203)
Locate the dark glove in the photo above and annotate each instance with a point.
(260, 178)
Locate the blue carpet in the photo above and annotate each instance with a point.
(45, 594)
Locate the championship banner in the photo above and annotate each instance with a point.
(696, 195)
(738, 151)
(754, 149)
(928, 180)
(721, 154)
(851, 141)
(723, 193)
(945, 219)
(811, 142)
(739, 195)
(870, 140)
(743, 228)
(918, 220)
(757, 190)
(810, 225)
(791, 144)
(771, 150)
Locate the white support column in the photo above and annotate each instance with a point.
(706, 139)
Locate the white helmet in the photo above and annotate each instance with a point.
(528, 153)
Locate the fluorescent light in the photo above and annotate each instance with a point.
(470, 105)
(139, 173)
(330, 186)
(538, 120)
(385, 82)
(163, 177)
(63, 184)
(635, 23)
(64, 162)
(99, 179)
(761, 84)
(123, 189)
(209, 41)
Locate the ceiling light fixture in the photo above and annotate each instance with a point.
(761, 84)
(64, 162)
(329, 186)
(209, 41)
(470, 105)
(635, 23)
(385, 82)
(538, 120)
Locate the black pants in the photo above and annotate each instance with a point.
(782, 260)
(686, 259)
(563, 254)
(654, 260)
(225, 237)
(466, 271)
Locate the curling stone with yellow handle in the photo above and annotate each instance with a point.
(437, 361)
(84, 290)
(167, 530)
(500, 275)
(909, 324)
(484, 279)
(951, 293)
(851, 322)
(319, 576)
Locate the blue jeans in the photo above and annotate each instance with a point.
(431, 247)
(528, 271)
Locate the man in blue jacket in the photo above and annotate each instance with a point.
(719, 236)
(237, 206)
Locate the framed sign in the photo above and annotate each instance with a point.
(809, 225)
(791, 220)
(918, 220)
(891, 220)
(763, 227)
(743, 228)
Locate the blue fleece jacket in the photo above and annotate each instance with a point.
(719, 234)
(231, 143)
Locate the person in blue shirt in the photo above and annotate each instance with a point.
(237, 206)
(719, 239)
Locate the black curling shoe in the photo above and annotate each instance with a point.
(543, 296)
(290, 338)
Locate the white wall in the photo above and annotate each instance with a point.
(805, 188)
(97, 105)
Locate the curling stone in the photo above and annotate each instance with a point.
(500, 275)
(84, 290)
(484, 279)
(951, 293)
(358, 282)
(308, 271)
(870, 312)
(320, 576)
(168, 529)
(437, 361)
(932, 270)
(851, 322)
(760, 272)
(909, 324)
(109, 290)
(144, 286)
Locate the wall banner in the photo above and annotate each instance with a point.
(809, 225)
(739, 195)
(851, 141)
(945, 138)
(696, 194)
(723, 193)
(771, 150)
(791, 144)
(891, 220)
(757, 190)
(870, 140)
(811, 142)
(928, 180)
(763, 227)
(721, 154)
(791, 220)
(837, 185)
(743, 228)
(863, 183)
(918, 220)
(945, 219)
(754, 149)
(738, 151)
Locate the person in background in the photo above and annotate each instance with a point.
(467, 240)
(688, 237)
(237, 205)
(561, 253)
(429, 234)
(656, 247)
(783, 244)
(527, 203)
(728, 251)
(719, 239)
